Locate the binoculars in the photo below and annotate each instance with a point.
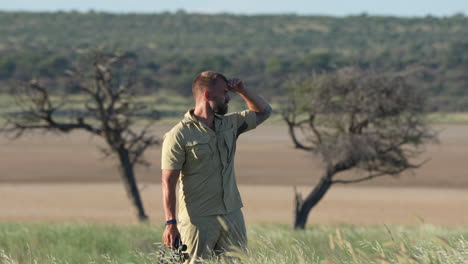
(173, 255)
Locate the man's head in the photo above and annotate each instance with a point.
(212, 88)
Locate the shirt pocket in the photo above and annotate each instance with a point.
(199, 149)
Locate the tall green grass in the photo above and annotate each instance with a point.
(268, 243)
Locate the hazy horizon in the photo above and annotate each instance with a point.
(397, 8)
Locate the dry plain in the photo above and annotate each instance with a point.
(64, 178)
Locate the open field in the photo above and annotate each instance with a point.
(73, 243)
(365, 205)
(64, 178)
(264, 157)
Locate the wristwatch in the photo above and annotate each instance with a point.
(170, 222)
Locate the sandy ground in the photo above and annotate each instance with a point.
(265, 156)
(65, 178)
(360, 205)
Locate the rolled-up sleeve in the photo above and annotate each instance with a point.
(173, 152)
(244, 121)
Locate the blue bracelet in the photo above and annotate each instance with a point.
(172, 221)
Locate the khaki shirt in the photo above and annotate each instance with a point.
(207, 182)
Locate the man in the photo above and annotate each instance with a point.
(199, 153)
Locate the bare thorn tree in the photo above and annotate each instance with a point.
(108, 113)
(355, 120)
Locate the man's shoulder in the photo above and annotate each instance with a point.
(180, 130)
(239, 113)
(231, 117)
(235, 117)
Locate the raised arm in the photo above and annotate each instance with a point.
(253, 100)
(169, 182)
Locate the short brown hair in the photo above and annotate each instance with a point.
(206, 80)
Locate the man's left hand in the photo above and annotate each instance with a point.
(235, 85)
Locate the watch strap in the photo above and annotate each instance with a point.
(171, 222)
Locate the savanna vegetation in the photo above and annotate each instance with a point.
(268, 243)
(267, 51)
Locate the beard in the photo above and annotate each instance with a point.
(220, 109)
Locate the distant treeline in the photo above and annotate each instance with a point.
(267, 51)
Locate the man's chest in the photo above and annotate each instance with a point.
(210, 149)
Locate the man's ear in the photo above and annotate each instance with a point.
(207, 95)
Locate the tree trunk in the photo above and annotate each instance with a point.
(303, 207)
(296, 142)
(128, 176)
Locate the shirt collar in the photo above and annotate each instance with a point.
(189, 118)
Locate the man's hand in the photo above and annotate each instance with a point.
(254, 102)
(235, 85)
(171, 233)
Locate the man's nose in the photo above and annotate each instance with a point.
(228, 98)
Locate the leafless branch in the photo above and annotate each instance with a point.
(107, 104)
(369, 177)
(110, 109)
(369, 121)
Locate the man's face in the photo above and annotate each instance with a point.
(220, 98)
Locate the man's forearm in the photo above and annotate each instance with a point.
(256, 104)
(169, 182)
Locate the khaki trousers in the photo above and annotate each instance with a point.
(214, 236)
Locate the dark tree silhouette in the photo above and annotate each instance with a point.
(108, 112)
(355, 120)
